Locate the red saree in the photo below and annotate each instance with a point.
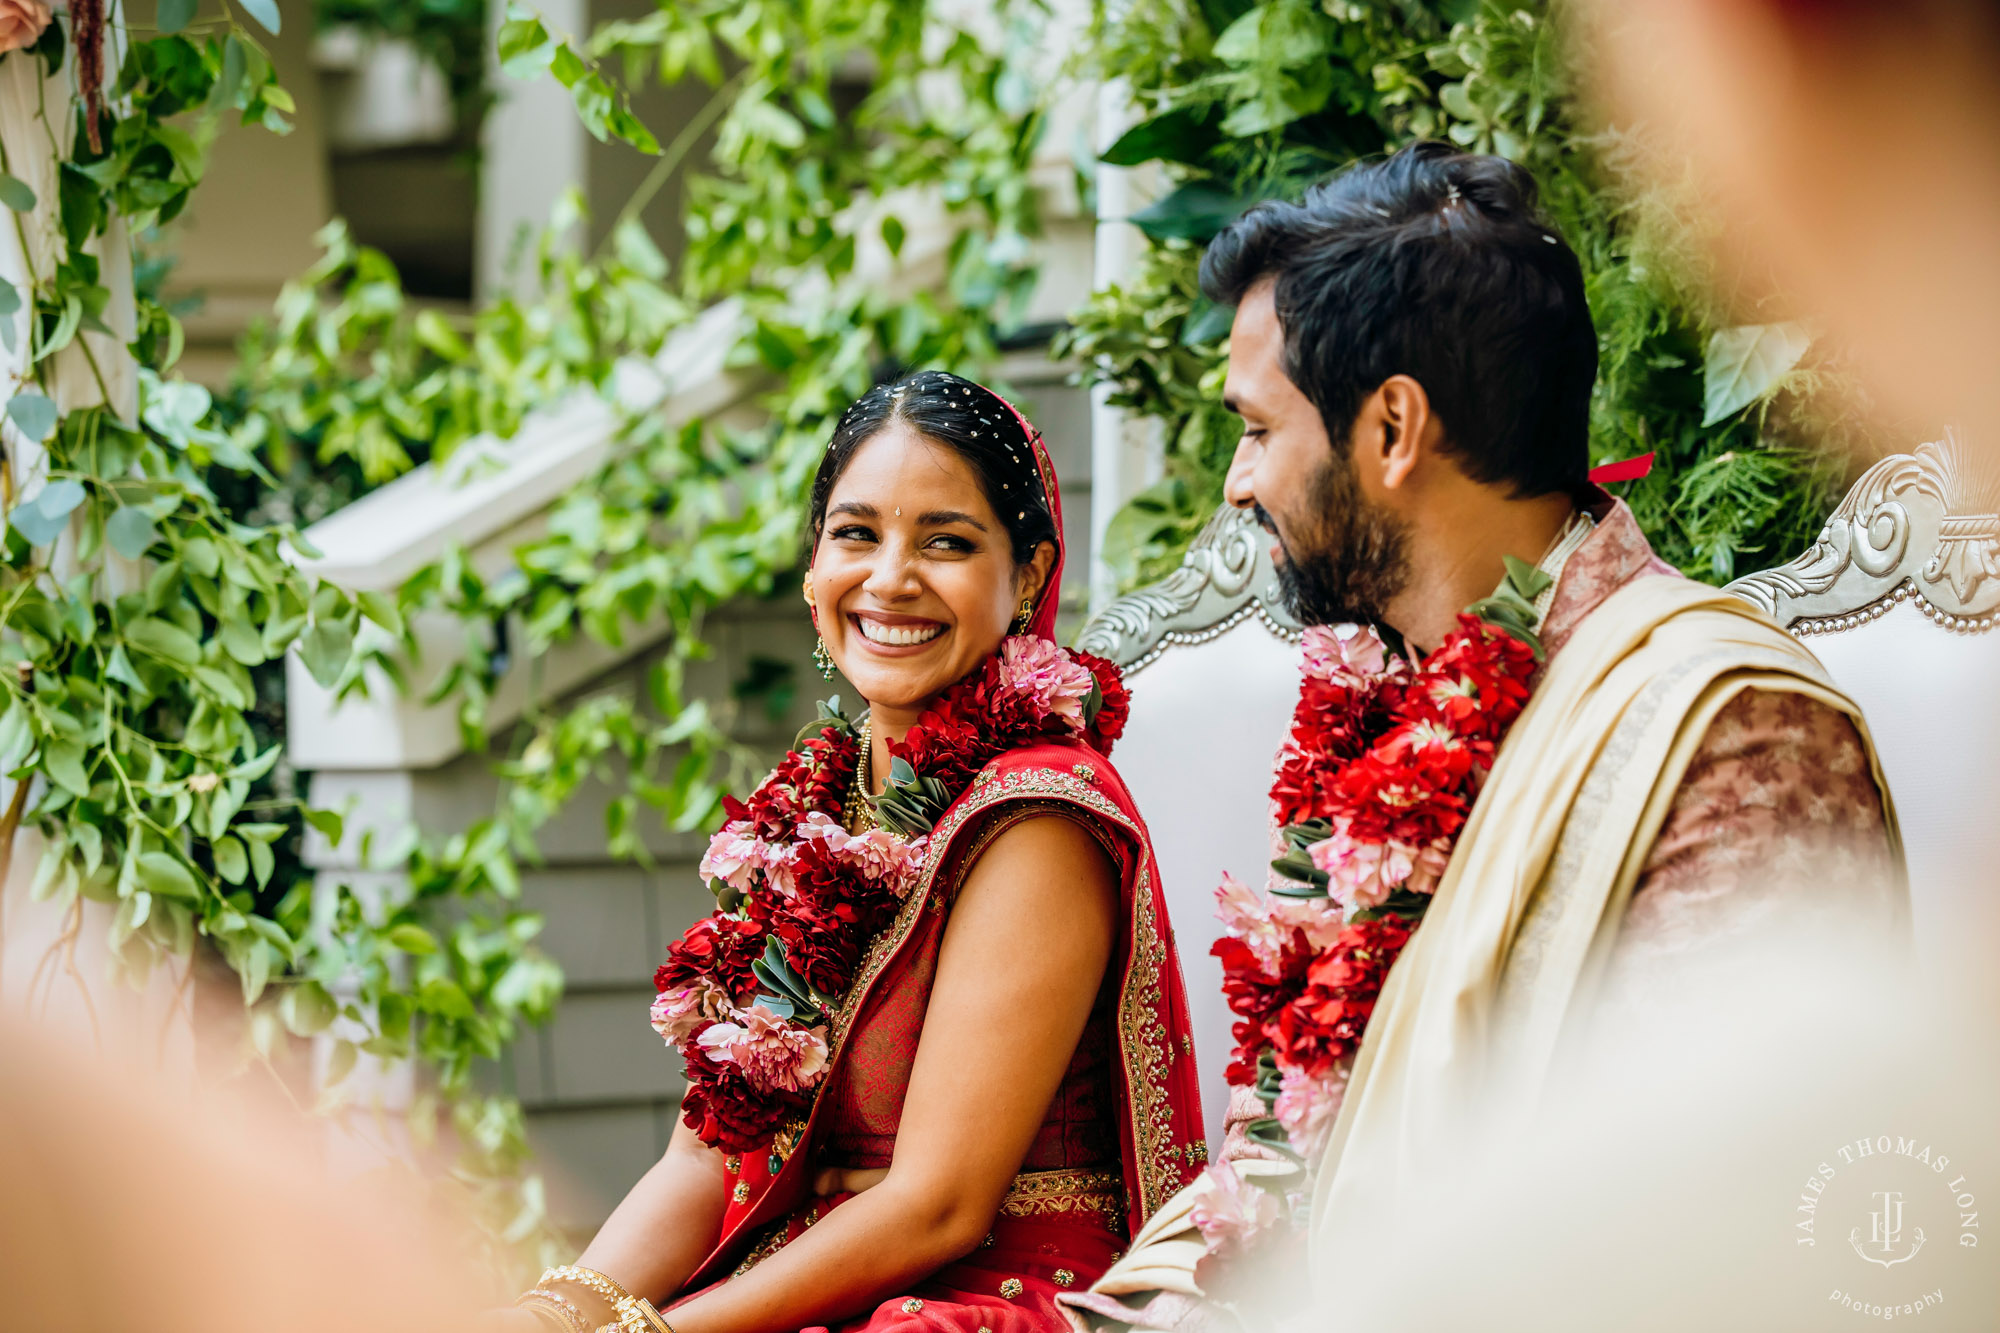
(1124, 1132)
(1058, 1229)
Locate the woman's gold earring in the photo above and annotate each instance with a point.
(1027, 614)
(823, 659)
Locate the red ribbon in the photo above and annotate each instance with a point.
(1625, 469)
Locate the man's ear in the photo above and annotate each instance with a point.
(1393, 430)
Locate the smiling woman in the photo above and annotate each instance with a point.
(937, 1018)
(932, 535)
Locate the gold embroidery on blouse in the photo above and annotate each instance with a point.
(1068, 1191)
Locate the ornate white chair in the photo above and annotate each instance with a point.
(1212, 658)
(1899, 597)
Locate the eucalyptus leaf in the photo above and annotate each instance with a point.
(173, 15)
(14, 193)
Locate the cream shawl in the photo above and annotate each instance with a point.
(1520, 930)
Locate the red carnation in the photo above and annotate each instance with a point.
(724, 1109)
(1256, 994)
(1325, 1023)
(720, 948)
(1116, 705)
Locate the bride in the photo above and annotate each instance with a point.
(936, 1041)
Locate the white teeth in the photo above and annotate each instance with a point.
(898, 636)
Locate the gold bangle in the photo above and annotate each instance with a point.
(558, 1308)
(589, 1279)
(636, 1314)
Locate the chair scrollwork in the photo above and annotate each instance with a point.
(1224, 579)
(1922, 527)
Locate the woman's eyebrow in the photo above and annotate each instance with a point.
(856, 508)
(937, 518)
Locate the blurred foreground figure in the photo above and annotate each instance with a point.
(130, 1200)
(1793, 1137)
(1846, 149)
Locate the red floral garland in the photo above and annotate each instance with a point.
(1374, 784)
(744, 992)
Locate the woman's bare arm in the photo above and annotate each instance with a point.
(669, 1222)
(1018, 970)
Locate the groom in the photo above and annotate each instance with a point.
(1413, 360)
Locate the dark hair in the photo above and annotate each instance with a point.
(1438, 265)
(970, 420)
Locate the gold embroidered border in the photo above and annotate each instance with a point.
(1048, 1193)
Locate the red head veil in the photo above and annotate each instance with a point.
(1049, 600)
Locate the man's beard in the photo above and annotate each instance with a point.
(1347, 559)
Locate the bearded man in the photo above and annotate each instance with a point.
(1413, 360)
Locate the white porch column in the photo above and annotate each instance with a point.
(533, 145)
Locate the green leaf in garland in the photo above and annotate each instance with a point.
(1093, 705)
(828, 715)
(1269, 1133)
(1511, 607)
(785, 989)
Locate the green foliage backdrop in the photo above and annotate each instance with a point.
(1244, 101)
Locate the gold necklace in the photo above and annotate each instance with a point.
(860, 812)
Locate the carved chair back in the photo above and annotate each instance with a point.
(1212, 658)
(1899, 596)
